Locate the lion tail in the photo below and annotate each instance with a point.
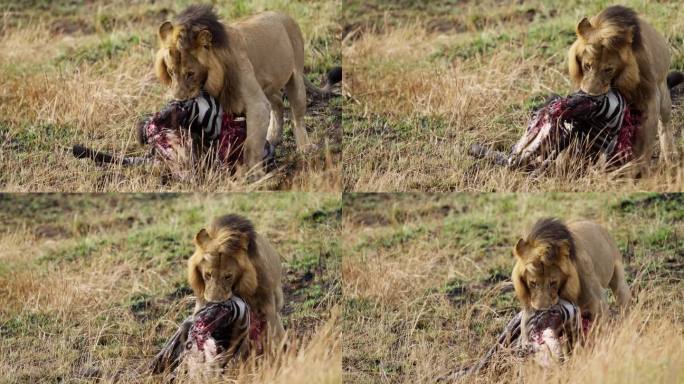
(675, 81)
(99, 157)
(333, 77)
(675, 78)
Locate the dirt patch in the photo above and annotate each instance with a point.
(51, 231)
(629, 204)
(71, 27)
(146, 308)
(369, 219)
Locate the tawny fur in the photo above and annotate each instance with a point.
(245, 65)
(581, 257)
(231, 258)
(619, 49)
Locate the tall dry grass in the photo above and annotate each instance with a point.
(428, 80)
(81, 73)
(427, 288)
(92, 286)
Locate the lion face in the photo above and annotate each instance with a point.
(600, 66)
(544, 270)
(219, 273)
(220, 267)
(179, 62)
(602, 57)
(543, 283)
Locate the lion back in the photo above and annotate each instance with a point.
(269, 269)
(274, 45)
(597, 252)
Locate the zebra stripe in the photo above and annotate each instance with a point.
(205, 116)
(239, 312)
(600, 127)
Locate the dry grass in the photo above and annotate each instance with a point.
(429, 79)
(81, 72)
(92, 286)
(427, 289)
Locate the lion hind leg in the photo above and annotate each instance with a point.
(619, 287)
(668, 146)
(296, 94)
(275, 127)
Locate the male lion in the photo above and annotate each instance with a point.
(618, 49)
(245, 66)
(231, 258)
(575, 262)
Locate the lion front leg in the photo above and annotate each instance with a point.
(258, 119)
(274, 325)
(646, 137)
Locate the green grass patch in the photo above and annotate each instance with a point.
(28, 324)
(108, 48)
(41, 136)
(165, 245)
(82, 249)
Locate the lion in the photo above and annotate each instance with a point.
(231, 258)
(576, 262)
(245, 66)
(619, 49)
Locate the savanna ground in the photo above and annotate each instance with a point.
(92, 286)
(426, 282)
(76, 71)
(428, 79)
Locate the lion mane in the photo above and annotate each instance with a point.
(620, 50)
(577, 261)
(197, 29)
(549, 243)
(616, 29)
(258, 280)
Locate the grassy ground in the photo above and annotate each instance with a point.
(427, 289)
(77, 71)
(428, 79)
(92, 286)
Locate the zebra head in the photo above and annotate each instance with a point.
(552, 127)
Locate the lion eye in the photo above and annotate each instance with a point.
(608, 71)
(190, 75)
(170, 71)
(533, 284)
(208, 275)
(587, 66)
(228, 277)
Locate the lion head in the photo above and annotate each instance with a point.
(188, 59)
(221, 264)
(545, 268)
(609, 53)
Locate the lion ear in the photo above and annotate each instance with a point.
(165, 30)
(203, 38)
(583, 27)
(520, 249)
(202, 238)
